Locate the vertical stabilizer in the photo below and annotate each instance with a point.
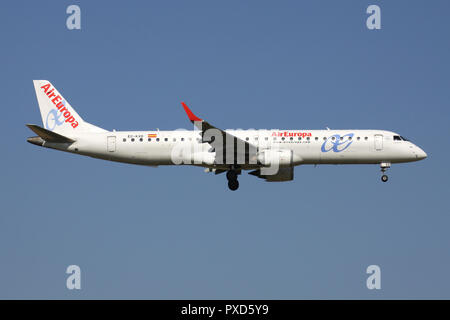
(57, 113)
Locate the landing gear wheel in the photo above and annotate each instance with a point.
(233, 185)
(231, 175)
(384, 166)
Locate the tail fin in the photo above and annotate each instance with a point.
(57, 113)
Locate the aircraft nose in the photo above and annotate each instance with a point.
(420, 154)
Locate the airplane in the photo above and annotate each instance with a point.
(269, 154)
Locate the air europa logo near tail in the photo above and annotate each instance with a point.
(56, 100)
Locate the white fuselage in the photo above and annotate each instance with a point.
(308, 146)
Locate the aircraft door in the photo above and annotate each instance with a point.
(111, 144)
(378, 142)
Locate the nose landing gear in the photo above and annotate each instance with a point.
(384, 166)
(233, 183)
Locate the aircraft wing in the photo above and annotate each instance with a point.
(229, 148)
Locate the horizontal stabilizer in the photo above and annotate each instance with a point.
(48, 135)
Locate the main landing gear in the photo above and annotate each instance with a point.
(384, 166)
(233, 182)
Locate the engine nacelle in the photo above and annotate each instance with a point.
(278, 158)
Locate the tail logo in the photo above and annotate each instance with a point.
(55, 119)
(60, 106)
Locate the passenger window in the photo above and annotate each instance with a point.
(365, 138)
(166, 139)
(358, 138)
(266, 138)
(149, 139)
(282, 138)
(317, 138)
(299, 138)
(333, 138)
(157, 139)
(256, 138)
(182, 139)
(324, 138)
(140, 139)
(291, 138)
(349, 138)
(124, 140)
(132, 139)
(342, 138)
(174, 139)
(307, 138)
(246, 139)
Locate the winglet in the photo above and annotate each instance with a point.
(189, 113)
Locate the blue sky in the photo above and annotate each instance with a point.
(177, 232)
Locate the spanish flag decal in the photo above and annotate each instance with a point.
(152, 135)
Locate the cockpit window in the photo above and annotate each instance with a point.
(400, 138)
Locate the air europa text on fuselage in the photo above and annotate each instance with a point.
(291, 134)
(56, 100)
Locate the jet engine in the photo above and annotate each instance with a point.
(280, 157)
